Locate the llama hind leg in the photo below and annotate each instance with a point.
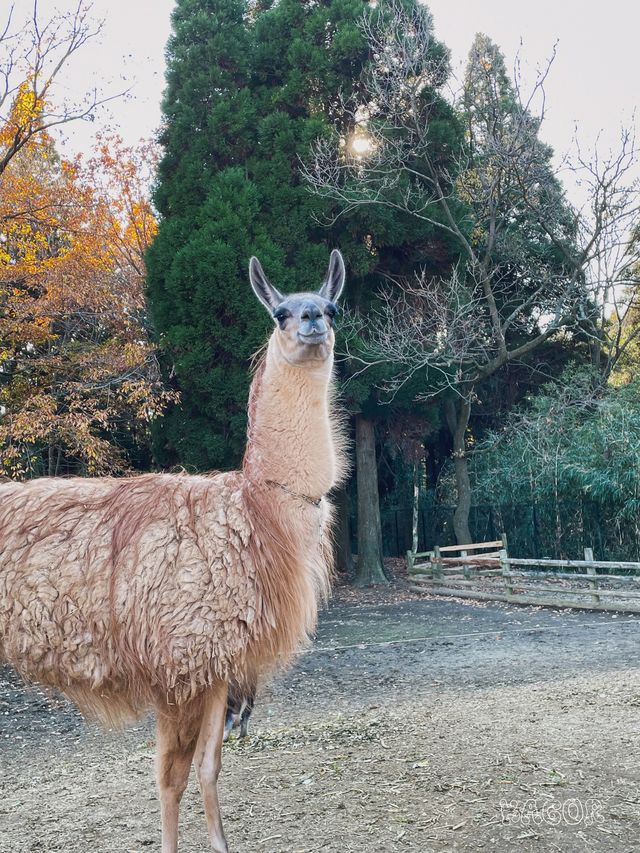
(177, 735)
(208, 761)
(249, 702)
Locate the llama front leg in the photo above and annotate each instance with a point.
(209, 760)
(177, 735)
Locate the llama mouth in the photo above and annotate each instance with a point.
(314, 339)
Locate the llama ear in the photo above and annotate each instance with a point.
(262, 287)
(334, 282)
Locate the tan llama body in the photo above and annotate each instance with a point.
(161, 590)
(107, 582)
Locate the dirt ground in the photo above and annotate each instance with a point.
(414, 724)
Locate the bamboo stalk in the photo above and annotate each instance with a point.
(460, 561)
(475, 545)
(460, 581)
(576, 576)
(436, 562)
(546, 588)
(504, 566)
(487, 573)
(603, 591)
(465, 566)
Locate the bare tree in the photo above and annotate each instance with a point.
(32, 55)
(605, 253)
(532, 266)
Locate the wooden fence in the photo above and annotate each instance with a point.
(494, 576)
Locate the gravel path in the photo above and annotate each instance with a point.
(421, 725)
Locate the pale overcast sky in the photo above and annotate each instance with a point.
(594, 81)
(595, 78)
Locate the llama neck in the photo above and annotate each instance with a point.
(290, 438)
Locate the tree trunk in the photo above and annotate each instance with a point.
(457, 414)
(51, 461)
(369, 569)
(343, 555)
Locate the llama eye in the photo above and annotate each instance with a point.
(331, 311)
(281, 316)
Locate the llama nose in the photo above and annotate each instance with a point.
(312, 321)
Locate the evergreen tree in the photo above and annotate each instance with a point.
(250, 86)
(247, 90)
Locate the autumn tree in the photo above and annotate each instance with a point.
(79, 382)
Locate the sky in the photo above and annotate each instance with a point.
(593, 83)
(128, 54)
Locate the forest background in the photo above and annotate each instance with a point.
(488, 356)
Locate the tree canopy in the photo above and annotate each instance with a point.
(250, 87)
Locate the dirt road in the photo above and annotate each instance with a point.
(416, 726)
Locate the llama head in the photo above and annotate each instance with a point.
(304, 321)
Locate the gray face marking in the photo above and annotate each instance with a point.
(312, 314)
(305, 327)
(304, 320)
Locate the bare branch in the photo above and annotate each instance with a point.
(33, 55)
(533, 265)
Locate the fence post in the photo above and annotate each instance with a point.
(411, 559)
(437, 565)
(588, 555)
(504, 566)
(466, 568)
(503, 536)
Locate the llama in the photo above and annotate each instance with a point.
(239, 709)
(160, 590)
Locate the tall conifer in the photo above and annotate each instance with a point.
(204, 315)
(250, 86)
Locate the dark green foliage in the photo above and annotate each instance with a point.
(571, 457)
(205, 318)
(210, 323)
(207, 109)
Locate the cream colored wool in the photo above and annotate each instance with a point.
(126, 593)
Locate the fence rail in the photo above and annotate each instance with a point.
(493, 577)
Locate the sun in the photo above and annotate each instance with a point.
(360, 144)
